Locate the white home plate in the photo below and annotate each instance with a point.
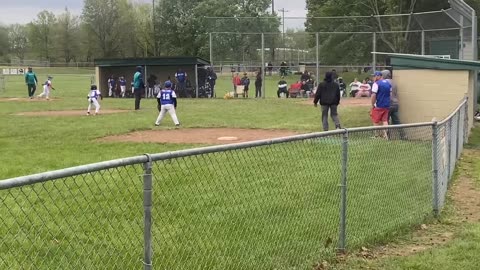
(227, 138)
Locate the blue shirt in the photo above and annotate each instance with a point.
(123, 82)
(382, 89)
(111, 82)
(181, 76)
(167, 97)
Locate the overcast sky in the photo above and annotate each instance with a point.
(24, 11)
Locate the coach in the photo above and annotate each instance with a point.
(31, 81)
(138, 85)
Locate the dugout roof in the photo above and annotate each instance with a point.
(410, 61)
(151, 61)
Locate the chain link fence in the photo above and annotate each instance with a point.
(284, 203)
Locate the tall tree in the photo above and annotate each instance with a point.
(4, 42)
(102, 19)
(17, 37)
(356, 48)
(41, 34)
(68, 36)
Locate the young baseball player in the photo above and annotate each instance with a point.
(92, 97)
(167, 101)
(47, 86)
(111, 86)
(123, 86)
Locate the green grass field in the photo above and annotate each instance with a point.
(272, 207)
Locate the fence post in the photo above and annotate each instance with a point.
(147, 211)
(263, 66)
(459, 133)
(423, 42)
(374, 55)
(342, 239)
(449, 145)
(210, 40)
(317, 58)
(435, 168)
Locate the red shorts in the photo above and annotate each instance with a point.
(379, 115)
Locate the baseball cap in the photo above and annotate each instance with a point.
(168, 84)
(386, 74)
(377, 73)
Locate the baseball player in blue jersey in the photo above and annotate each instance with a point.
(167, 100)
(92, 97)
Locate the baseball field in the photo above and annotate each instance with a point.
(272, 207)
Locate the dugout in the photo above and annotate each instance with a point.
(161, 67)
(430, 87)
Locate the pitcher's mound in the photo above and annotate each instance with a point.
(199, 135)
(69, 113)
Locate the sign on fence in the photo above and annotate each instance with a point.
(13, 71)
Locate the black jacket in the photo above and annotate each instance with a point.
(328, 93)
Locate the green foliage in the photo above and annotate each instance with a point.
(68, 31)
(18, 39)
(356, 48)
(41, 36)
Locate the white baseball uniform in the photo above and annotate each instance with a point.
(93, 99)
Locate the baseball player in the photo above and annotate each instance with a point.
(92, 97)
(123, 86)
(111, 86)
(167, 102)
(47, 86)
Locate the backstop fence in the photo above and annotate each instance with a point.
(273, 204)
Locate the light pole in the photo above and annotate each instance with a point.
(154, 30)
(283, 33)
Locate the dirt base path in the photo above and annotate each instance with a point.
(27, 99)
(199, 135)
(69, 113)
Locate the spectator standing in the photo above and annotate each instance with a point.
(151, 85)
(258, 85)
(282, 87)
(380, 101)
(212, 80)
(31, 81)
(270, 68)
(283, 69)
(181, 77)
(246, 84)
(328, 94)
(236, 81)
(393, 113)
(138, 86)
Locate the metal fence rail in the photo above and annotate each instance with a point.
(272, 204)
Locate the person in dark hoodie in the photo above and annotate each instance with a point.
(328, 93)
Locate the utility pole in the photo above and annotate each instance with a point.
(272, 48)
(154, 30)
(283, 33)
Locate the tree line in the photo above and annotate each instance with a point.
(356, 48)
(122, 28)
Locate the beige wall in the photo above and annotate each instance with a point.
(428, 94)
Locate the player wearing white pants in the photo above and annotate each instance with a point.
(167, 101)
(123, 86)
(47, 86)
(93, 99)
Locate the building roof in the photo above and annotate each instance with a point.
(410, 61)
(151, 61)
